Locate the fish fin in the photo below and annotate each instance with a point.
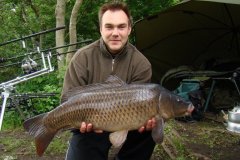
(112, 81)
(36, 128)
(118, 138)
(75, 91)
(78, 90)
(157, 131)
(43, 141)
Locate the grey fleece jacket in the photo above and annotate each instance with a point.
(93, 64)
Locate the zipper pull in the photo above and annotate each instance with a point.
(113, 61)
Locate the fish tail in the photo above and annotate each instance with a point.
(35, 127)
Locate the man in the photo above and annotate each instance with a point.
(112, 54)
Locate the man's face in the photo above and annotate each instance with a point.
(115, 30)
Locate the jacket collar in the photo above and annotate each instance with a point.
(104, 50)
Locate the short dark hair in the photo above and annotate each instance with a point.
(113, 6)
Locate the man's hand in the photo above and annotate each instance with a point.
(149, 125)
(87, 127)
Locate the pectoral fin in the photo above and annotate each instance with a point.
(157, 131)
(118, 138)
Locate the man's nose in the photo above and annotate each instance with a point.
(115, 32)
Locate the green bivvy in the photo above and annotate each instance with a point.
(186, 86)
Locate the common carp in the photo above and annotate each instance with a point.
(112, 106)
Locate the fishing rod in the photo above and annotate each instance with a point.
(8, 86)
(25, 99)
(32, 95)
(44, 50)
(32, 35)
(56, 54)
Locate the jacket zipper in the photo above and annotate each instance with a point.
(113, 61)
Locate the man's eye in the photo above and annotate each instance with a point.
(108, 27)
(122, 27)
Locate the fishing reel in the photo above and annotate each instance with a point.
(2, 60)
(29, 66)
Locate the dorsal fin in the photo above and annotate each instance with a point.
(112, 81)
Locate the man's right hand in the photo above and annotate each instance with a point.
(88, 127)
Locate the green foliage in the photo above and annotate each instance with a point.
(11, 120)
(20, 19)
(44, 84)
(59, 144)
(87, 25)
(144, 8)
(49, 83)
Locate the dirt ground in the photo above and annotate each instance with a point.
(206, 140)
(202, 140)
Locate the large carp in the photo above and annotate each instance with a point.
(112, 106)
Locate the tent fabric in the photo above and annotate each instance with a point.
(194, 33)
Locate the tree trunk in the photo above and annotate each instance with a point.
(60, 34)
(73, 29)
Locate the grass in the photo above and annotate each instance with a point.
(13, 143)
(59, 144)
(176, 145)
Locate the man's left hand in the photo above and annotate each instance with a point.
(149, 125)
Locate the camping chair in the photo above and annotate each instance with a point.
(234, 78)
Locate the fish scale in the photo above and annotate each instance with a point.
(112, 106)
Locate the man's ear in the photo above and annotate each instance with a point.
(129, 30)
(100, 29)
